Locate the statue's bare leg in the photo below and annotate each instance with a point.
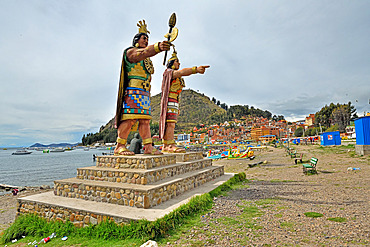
(144, 131)
(123, 131)
(169, 136)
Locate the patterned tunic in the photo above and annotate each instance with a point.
(136, 103)
(173, 99)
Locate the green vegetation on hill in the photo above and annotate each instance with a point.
(195, 108)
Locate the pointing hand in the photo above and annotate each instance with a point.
(201, 69)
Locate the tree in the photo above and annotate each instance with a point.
(342, 117)
(224, 106)
(213, 100)
(298, 132)
(332, 128)
(154, 128)
(326, 118)
(218, 103)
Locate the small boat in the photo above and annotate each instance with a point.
(21, 152)
(54, 150)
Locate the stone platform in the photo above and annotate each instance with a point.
(124, 184)
(362, 149)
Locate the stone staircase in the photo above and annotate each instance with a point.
(136, 182)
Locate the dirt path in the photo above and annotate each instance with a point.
(278, 196)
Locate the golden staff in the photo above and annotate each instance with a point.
(171, 23)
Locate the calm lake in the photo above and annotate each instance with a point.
(40, 168)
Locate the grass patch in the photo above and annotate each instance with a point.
(288, 225)
(108, 233)
(311, 172)
(338, 219)
(266, 201)
(313, 214)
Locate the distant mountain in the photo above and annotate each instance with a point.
(53, 145)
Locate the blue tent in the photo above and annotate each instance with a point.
(362, 126)
(330, 138)
(296, 141)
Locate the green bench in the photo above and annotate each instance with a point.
(311, 167)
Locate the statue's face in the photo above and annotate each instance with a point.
(143, 41)
(176, 63)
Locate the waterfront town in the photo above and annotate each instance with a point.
(258, 130)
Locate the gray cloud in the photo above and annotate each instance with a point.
(60, 61)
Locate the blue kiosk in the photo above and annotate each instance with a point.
(362, 127)
(330, 138)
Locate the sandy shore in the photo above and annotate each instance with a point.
(8, 205)
(282, 194)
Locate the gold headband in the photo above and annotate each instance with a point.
(174, 56)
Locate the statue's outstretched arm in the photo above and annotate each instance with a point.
(135, 55)
(188, 71)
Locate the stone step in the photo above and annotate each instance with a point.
(142, 161)
(189, 156)
(138, 161)
(83, 212)
(135, 195)
(140, 176)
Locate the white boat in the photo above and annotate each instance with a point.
(21, 152)
(54, 150)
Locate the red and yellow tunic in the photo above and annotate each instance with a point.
(175, 89)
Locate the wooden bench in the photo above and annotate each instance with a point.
(310, 167)
(298, 159)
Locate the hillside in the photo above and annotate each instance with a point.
(195, 108)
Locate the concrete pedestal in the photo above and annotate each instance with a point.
(362, 149)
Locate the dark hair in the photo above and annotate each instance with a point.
(170, 63)
(137, 37)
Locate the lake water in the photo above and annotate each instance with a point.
(40, 168)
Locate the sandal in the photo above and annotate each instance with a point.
(153, 152)
(122, 150)
(177, 150)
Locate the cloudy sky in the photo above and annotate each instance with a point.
(60, 60)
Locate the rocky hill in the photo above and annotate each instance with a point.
(195, 108)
